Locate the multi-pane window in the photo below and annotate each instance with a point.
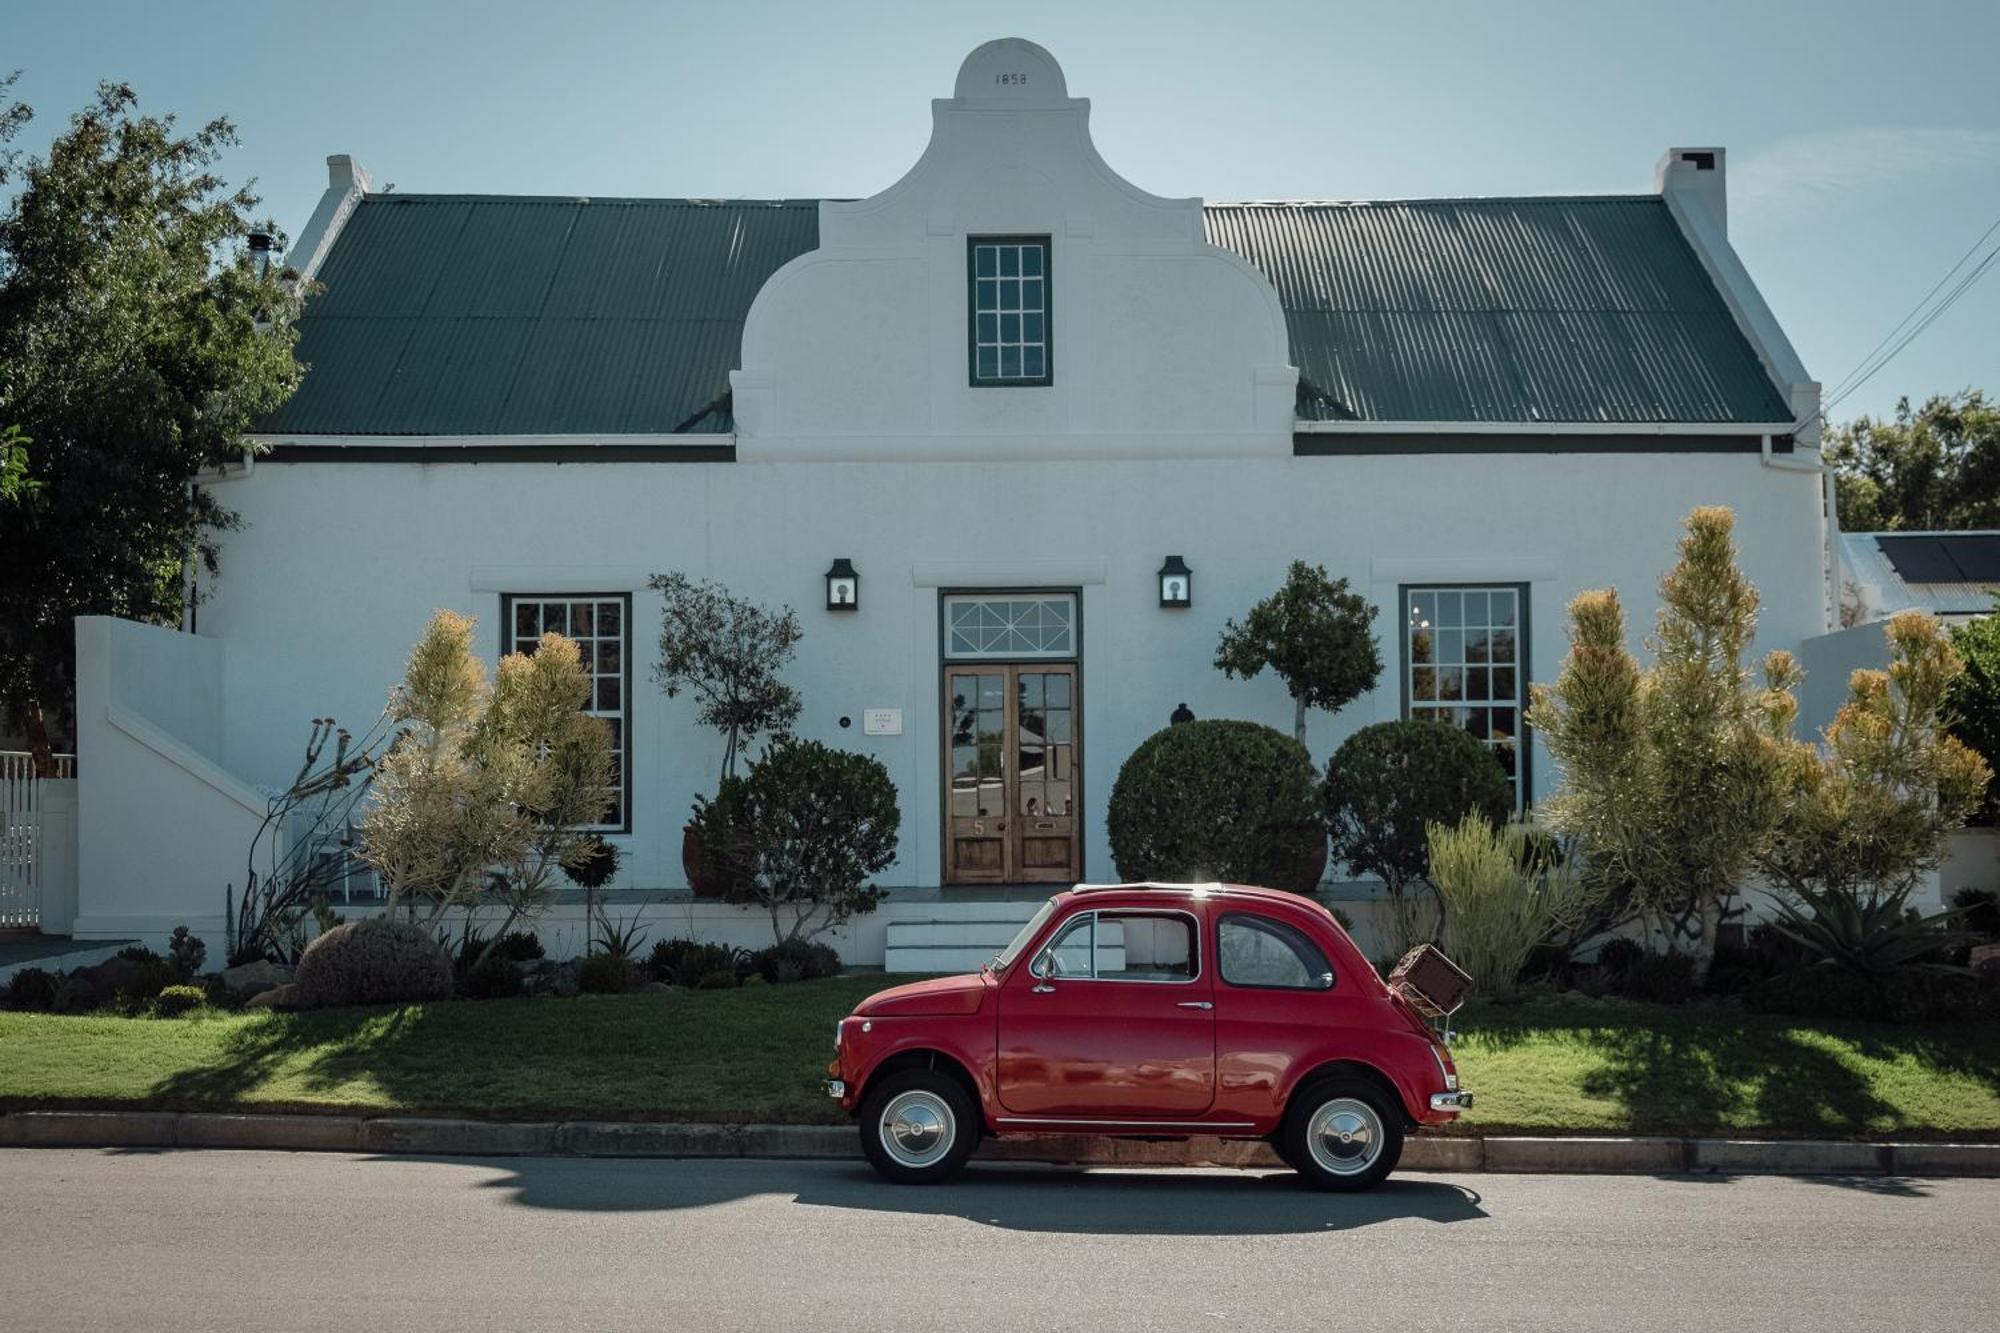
(1463, 663)
(600, 624)
(1010, 309)
(1003, 626)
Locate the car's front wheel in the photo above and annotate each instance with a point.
(918, 1127)
(1341, 1134)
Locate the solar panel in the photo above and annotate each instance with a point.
(1977, 555)
(1921, 559)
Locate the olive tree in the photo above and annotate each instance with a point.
(729, 654)
(1315, 634)
(1673, 774)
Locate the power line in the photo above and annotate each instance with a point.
(1843, 384)
(1949, 301)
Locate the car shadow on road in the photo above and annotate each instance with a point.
(1066, 1201)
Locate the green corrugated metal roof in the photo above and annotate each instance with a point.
(1508, 310)
(490, 315)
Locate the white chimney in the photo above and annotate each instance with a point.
(1697, 176)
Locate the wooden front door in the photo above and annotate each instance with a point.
(1012, 792)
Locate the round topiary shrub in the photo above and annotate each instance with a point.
(33, 989)
(372, 961)
(1219, 800)
(174, 1001)
(797, 960)
(1388, 783)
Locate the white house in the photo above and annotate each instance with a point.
(1007, 391)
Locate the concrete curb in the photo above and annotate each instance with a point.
(426, 1136)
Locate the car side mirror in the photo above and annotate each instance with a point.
(1043, 967)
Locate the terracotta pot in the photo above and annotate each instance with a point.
(703, 884)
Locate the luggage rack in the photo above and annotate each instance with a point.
(1431, 984)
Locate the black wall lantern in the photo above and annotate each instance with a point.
(843, 587)
(1176, 583)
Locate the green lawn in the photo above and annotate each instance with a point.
(757, 1054)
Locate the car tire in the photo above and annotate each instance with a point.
(919, 1126)
(1343, 1134)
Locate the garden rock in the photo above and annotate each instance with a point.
(248, 979)
(274, 997)
(655, 988)
(1985, 962)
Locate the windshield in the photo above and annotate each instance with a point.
(1006, 957)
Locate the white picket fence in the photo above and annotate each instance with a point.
(23, 853)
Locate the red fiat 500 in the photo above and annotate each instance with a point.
(1152, 1011)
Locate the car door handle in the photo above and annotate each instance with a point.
(1195, 1004)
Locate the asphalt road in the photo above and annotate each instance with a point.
(298, 1241)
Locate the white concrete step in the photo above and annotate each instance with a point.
(972, 934)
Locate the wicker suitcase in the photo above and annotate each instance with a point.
(1430, 981)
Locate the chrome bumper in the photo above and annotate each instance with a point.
(1451, 1101)
(835, 1088)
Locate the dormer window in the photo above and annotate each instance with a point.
(1008, 278)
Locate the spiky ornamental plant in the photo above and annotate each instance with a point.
(1869, 812)
(563, 773)
(1315, 634)
(1672, 775)
(483, 779)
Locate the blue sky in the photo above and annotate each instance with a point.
(1864, 139)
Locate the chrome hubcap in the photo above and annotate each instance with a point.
(917, 1128)
(1344, 1136)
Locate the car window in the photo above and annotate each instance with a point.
(1257, 951)
(1122, 946)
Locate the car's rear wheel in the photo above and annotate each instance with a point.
(1342, 1134)
(918, 1127)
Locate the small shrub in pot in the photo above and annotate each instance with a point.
(1219, 800)
(372, 961)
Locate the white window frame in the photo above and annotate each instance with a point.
(1411, 601)
(514, 641)
(1001, 309)
(953, 602)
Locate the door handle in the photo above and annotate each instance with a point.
(1194, 1004)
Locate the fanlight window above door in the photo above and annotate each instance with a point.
(1009, 626)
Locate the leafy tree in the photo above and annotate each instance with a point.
(1673, 775)
(1315, 634)
(15, 483)
(1933, 468)
(485, 778)
(1972, 704)
(1868, 813)
(138, 344)
(728, 652)
(800, 834)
